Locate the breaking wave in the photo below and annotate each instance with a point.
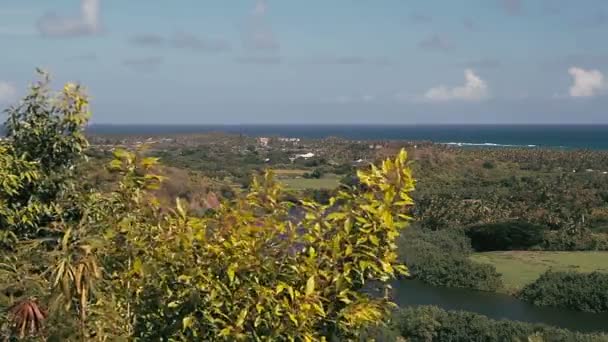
(460, 144)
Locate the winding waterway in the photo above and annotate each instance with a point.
(496, 306)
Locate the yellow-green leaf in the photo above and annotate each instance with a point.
(310, 285)
(231, 270)
(187, 322)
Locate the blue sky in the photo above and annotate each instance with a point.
(316, 61)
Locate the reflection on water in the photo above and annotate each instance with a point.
(495, 305)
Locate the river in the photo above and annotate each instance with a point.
(496, 306)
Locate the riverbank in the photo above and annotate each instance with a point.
(499, 306)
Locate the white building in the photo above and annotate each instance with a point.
(305, 155)
(264, 141)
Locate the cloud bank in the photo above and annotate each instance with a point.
(587, 83)
(474, 89)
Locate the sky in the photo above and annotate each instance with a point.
(316, 61)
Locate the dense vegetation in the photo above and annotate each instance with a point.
(564, 191)
(505, 236)
(428, 323)
(441, 259)
(570, 290)
(110, 263)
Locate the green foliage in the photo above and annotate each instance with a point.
(49, 128)
(577, 240)
(570, 290)
(441, 259)
(457, 189)
(45, 142)
(505, 236)
(488, 165)
(350, 180)
(315, 174)
(48, 259)
(451, 242)
(428, 323)
(249, 272)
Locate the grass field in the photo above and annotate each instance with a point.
(519, 268)
(289, 172)
(326, 182)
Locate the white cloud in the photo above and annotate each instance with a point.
(8, 92)
(474, 89)
(257, 33)
(87, 23)
(261, 6)
(368, 98)
(587, 83)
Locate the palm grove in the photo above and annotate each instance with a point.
(81, 263)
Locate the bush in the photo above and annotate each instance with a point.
(429, 323)
(570, 290)
(575, 241)
(350, 180)
(343, 169)
(441, 259)
(488, 165)
(505, 236)
(434, 267)
(315, 174)
(448, 241)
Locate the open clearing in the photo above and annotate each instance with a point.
(519, 268)
(326, 182)
(289, 172)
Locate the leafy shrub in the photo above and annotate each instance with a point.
(343, 169)
(434, 267)
(582, 240)
(441, 258)
(449, 241)
(429, 323)
(505, 236)
(315, 174)
(570, 290)
(350, 180)
(488, 164)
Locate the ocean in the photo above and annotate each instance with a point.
(594, 137)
